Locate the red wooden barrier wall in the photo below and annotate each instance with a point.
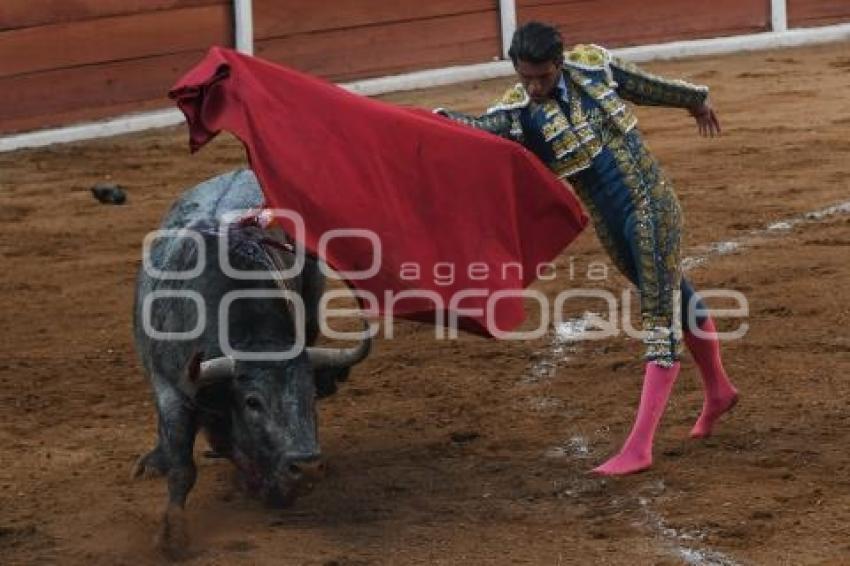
(368, 38)
(637, 22)
(63, 61)
(805, 13)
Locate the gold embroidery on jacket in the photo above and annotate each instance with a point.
(645, 88)
(659, 224)
(513, 98)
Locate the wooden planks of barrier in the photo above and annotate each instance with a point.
(635, 22)
(806, 13)
(58, 46)
(98, 57)
(392, 48)
(49, 98)
(68, 60)
(16, 14)
(273, 18)
(366, 51)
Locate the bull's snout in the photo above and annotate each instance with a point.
(295, 477)
(298, 476)
(307, 470)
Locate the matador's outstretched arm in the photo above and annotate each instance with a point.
(501, 122)
(641, 87)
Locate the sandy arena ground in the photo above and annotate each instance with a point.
(473, 451)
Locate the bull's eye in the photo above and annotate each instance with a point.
(253, 403)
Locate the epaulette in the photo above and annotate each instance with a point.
(515, 97)
(588, 57)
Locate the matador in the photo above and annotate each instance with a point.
(569, 109)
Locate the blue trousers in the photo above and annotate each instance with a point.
(639, 221)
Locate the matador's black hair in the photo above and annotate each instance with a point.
(536, 42)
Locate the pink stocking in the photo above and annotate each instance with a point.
(720, 394)
(636, 454)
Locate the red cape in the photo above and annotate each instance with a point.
(435, 193)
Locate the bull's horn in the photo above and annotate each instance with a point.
(198, 374)
(217, 369)
(321, 358)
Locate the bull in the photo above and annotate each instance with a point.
(258, 413)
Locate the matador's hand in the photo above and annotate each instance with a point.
(706, 118)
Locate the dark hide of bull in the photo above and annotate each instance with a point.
(259, 414)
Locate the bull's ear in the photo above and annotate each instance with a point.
(199, 374)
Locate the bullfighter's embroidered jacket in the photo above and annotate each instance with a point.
(590, 72)
(587, 135)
